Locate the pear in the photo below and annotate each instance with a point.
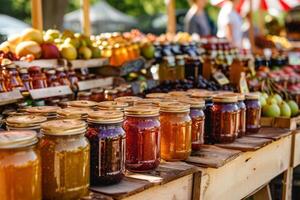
(285, 110)
(68, 51)
(294, 107)
(84, 52)
(271, 110)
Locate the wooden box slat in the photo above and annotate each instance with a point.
(212, 156)
(272, 133)
(50, 92)
(10, 97)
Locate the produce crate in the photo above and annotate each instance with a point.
(281, 122)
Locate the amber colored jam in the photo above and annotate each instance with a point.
(97, 95)
(142, 143)
(241, 118)
(20, 174)
(223, 122)
(253, 113)
(198, 118)
(208, 123)
(107, 153)
(175, 135)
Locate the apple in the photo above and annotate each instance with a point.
(32, 34)
(68, 51)
(49, 51)
(29, 47)
(294, 107)
(285, 109)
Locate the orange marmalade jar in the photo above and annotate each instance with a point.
(224, 117)
(128, 99)
(176, 130)
(20, 166)
(142, 129)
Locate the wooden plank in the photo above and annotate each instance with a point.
(43, 63)
(246, 144)
(36, 14)
(10, 97)
(196, 186)
(246, 173)
(171, 25)
(95, 83)
(212, 156)
(86, 23)
(296, 149)
(50, 92)
(272, 133)
(287, 184)
(263, 194)
(266, 121)
(90, 63)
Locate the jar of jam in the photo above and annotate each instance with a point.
(39, 79)
(122, 91)
(107, 139)
(241, 115)
(82, 104)
(224, 119)
(74, 113)
(15, 80)
(128, 99)
(142, 129)
(156, 95)
(110, 95)
(48, 111)
(52, 80)
(26, 79)
(180, 67)
(253, 113)
(73, 79)
(176, 130)
(198, 117)
(84, 96)
(25, 122)
(112, 105)
(97, 95)
(20, 166)
(65, 154)
(3, 87)
(62, 76)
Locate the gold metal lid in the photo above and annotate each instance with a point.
(84, 94)
(128, 99)
(156, 95)
(63, 127)
(112, 105)
(191, 91)
(231, 98)
(174, 107)
(179, 93)
(82, 103)
(112, 91)
(42, 109)
(98, 90)
(203, 95)
(240, 96)
(193, 102)
(252, 96)
(106, 116)
(17, 139)
(24, 121)
(121, 88)
(148, 102)
(74, 113)
(142, 111)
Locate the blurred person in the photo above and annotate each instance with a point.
(230, 23)
(197, 19)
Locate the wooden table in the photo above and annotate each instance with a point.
(249, 171)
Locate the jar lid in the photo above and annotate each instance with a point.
(193, 102)
(252, 96)
(112, 91)
(175, 107)
(17, 139)
(74, 112)
(225, 98)
(82, 103)
(179, 93)
(23, 71)
(25, 120)
(52, 72)
(98, 90)
(63, 127)
(84, 94)
(191, 91)
(240, 96)
(128, 99)
(142, 111)
(122, 89)
(106, 116)
(112, 105)
(203, 95)
(43, 109)
(156, 95)
(148, 102)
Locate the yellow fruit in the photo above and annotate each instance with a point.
(32, 34)
(84, 52)
(29, 47)
(68, 51)
(5, 47)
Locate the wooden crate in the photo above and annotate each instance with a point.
(281, 122)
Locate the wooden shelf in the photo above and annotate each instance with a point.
(43, 63)
(10, 97)
(50, 92)
(95, 83)
(90, 63)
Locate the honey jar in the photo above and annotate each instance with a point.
(253, 113)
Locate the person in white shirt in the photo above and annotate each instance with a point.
(230, 23)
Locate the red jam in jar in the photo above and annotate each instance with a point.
(241, 115)
(224, 119)
(85, 96)
(97, 95)
(253, 113)
(107, 140)
(142, 129)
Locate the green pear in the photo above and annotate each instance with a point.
(262, 101)
(285, 110)
(271, 110)
(278, 98)
(84, 52)
(294, 107)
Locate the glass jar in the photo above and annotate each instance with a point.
(180, 67)
(65, 154)
(253, 113)
(122, 91)
(107, 139)
(156, 95)
(3, 87)
(97, 95)
(176, 126)
(62, 76)
(241, 115)
(15, 80)
(84, 96)
(52, 80)
(142, 129)
(20, 166)
(128, 99)
(26, 79)
(112, 105)
(25, 122)
(198, 117)
(48, 111)
(224, 119)
(74, 113)
(82, 104)
(110, 95)
(39, 79)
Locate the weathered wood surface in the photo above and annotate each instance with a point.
(272, 133)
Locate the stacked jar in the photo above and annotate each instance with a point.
(48, 111)
(82, 104)
(142, 129)
(112, 105)
(253, 113)
(128, 99)
(74, 113)
(107, 139)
